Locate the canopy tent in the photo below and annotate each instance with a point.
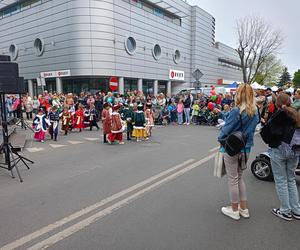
(290, 90)
(256, 85)
(233, 85)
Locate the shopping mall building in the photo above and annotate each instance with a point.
(149, 45)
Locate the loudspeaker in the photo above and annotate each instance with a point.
(4, 58)
(10, 83)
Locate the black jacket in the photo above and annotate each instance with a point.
(280, 128)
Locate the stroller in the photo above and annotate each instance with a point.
(158, 120)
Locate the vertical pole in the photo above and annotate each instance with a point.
(59, 87)
(140, 84)
(5, 131)
(169, 88)
(30, 88)
(155, 88)
(121, 85)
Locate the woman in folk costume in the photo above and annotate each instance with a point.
(128, 116)
(106, 120)
(79, 118)
(149, 115)
(66, 119)
(139, 124)
(40, 125)
(54, 120)
(116, 134)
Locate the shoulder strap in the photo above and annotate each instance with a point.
(245, 154)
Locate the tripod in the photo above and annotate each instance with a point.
(21, 122)
(12, 157)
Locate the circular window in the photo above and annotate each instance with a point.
(130, 45)
(13, 51)
(156, 51)
(177, 56)
(39, 46)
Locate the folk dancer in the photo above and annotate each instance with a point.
(128, 116)
(149, 116)
(40, 125)
(116, 134)
(106, 120)
(54, 120)
(139, 124)
(79, 118)
(93, 115)
(66, 119)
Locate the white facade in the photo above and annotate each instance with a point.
(88, 37)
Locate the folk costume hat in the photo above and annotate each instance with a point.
(116, 107)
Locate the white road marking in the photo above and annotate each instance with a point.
(92, 219)
(57, 145)
(34, 150)
(75, 142)
(214, 149)
(59, 223)
(92, 139)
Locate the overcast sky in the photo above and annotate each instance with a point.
(283, 15)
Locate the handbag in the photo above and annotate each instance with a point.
(219, 168)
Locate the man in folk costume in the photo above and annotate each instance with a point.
(93, 117)
(40, 125)
(149, 115)
(106, 120)
(54, 120)
(86, 119)
(128, 116)
(66, 119)
(139, 124)
(116, 134)
(79, 118)
(72, 120)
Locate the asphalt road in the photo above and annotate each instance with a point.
(158, 194)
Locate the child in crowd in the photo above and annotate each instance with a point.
(223, 116)
(40, 125)
(173, 112)
(116, 134)
(106, 121)
(79, 118)
(66, 119)
(149, 118)
(54, 120)
(180, 107)
(139, 124)
(195, 112)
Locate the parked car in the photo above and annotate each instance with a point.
(261, 167)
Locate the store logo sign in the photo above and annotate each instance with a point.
(176, 75)
(53, 74)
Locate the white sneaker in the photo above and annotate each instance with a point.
(230, 213)
(244, 213)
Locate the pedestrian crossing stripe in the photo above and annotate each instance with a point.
(75, 142)
(34, 150)
(92, 139)
(56, 145)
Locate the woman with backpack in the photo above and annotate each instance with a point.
(283, 137)
(244, 117)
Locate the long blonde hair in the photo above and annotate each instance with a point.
(245, 99)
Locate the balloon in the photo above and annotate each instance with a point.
(213, 98)
(210, 106)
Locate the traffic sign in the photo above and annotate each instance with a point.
(113, 83)
(197, 74)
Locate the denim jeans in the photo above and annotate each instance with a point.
(180, 120)
(187, 115)
(285, 181)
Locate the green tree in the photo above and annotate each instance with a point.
(285, 77)
(296, 79)
(269, 71)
